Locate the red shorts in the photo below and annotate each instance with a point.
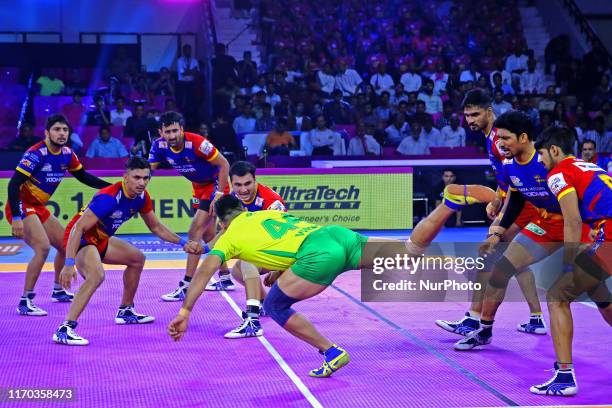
(91, 237)
(528, 213)
(549, 229)
(203, 194)
(29, 209)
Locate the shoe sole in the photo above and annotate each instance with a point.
(31, 314)
(69, 343)
(477, 347)
(171, 299)
(344, 360)
(123, 322)
(214, 289)
(233, 336)
(573, 391)
(61, 301)
(536, 331)
(449, 329)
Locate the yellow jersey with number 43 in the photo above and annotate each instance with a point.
(268, 239)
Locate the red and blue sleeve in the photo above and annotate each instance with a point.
(147, 206)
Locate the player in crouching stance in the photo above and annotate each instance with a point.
(311, 257)
(90, 242)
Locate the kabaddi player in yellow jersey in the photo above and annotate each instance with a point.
(311, 257)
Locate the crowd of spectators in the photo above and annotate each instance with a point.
(346, 77)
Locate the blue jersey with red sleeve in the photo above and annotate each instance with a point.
(45, 170)
(113, 207)
(192, 161)
(496, 157)
(265, 199)
(592, 185)
(529, 179)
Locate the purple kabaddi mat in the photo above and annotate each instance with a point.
(399, 358)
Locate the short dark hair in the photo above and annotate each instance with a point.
(227, 205)
(477, 97)
(448, 169)
(242, 168)
(516, 122)
(170, 118)
(104, 127)
(585, 141)
(137, 162)
(53, 119)
(560, 136)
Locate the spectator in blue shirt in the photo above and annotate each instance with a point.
(106, 146)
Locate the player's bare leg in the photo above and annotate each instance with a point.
(36, 238)
(55, 232)
(120, 252)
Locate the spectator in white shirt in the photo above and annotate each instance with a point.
(120, 115)
(516, 63)
(245, 122)
(414, 144)
(499, 105)
(397, 131)
(531, 80)
(453, 135)
(431, 134)
(363, 144)
(598, 134)
(347, 79)
(498, 85)
(324, 141)
(469, 74)
(326, 79)
(271, 96)
(411, 80)
(440, 79)
(505, 75)
(433, 103)
(549, 101)
(260, 85)
(398, 94)
(381, 81)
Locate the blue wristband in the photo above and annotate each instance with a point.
(206, 249)
(17, 218)
(182, 242)
(69, 262)
(568, 267)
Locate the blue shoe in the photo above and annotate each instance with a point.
(27, 307)
(250, 327)
(463, 327)
(536, 325)
(563, 383)
(335, 359)
(473, 340)
(62, 296)
(127, 315)
(178, 294)
(223, 284)
(65, 334)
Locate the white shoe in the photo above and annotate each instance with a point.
(27, 307)
(66, 335)
(129, 316)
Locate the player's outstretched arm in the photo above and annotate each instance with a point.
(178, 326)
(89, 179)
(84, 223)
(160, 230)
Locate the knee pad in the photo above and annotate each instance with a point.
(503, 270)
(278, 305)
(248, 271)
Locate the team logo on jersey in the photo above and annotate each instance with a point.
(516, 181)
(188, 144)
(556, 183)
(47, 167)
(259, 202)
(163, 144)
(171, 161)
(206, 147)
(26, 163)
(277, 205)
(586, 166)
(535, 229)
(117, 215)
(539, 179)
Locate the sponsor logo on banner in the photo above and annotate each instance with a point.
(155, 245)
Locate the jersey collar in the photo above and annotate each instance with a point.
(50, 150)
(125, 190)
(254, 197)
(528, 160)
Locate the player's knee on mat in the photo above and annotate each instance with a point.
(278, 305)
(503, 271)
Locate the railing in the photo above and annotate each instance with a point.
(24, 35)
(585, 26)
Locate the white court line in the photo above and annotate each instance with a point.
(281, 362)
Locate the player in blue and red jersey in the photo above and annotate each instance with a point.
(480, 118)
(40, 171)
(526, 178)
(195, 158)
(89, 240)
(584, 192)
(254, 197)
